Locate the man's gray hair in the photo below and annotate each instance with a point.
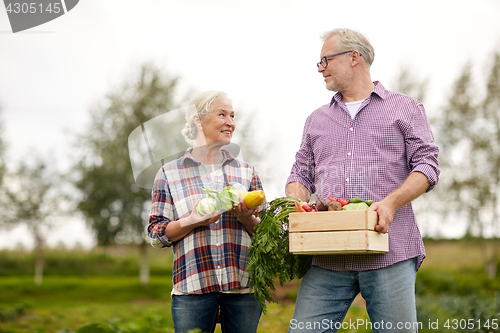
(200, 105)
(348, 39)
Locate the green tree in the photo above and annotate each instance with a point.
(114, 206)
(33, 197)
(470, 158)
(407, 83)
(2, 152)
(3, 198)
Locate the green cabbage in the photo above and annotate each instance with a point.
(355, 206)
(207, 206)
(225, 198)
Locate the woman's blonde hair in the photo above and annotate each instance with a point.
(200, 105)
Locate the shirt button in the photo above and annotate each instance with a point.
(217, 244)
(347, 179)
(218, 267)
(349, 154)
(351, 129)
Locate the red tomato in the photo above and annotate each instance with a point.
(332, 199)
(306, 207)
(343, 201)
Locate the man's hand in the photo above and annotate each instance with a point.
(386, 213)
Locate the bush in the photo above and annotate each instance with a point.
(118, 261)
(13, 313)
(148, 324)
(445, 282)
(453, 309)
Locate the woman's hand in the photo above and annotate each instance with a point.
(197, 220)
(246, 216)
(206, 219)
(242, 212)
(176, 230)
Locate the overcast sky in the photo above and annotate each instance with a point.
(262, 53)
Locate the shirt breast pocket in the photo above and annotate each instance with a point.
(386, 139)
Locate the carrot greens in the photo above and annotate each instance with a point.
(269, 256)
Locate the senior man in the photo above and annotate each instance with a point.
(375, 144)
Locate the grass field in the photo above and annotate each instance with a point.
(451, 284)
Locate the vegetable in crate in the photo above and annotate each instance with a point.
(302, 206)
(268, 252)
(343, 201)
(334, 206)
(322, 205)
(356, 206)
(359, 200)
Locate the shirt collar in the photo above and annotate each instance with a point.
(188, 157)
(379, 90)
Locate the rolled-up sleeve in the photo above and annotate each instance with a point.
(161, 212)
(422, 151)
(303, 167)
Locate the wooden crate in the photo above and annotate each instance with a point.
(340, 232)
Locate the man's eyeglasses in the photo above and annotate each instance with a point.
(324, 61)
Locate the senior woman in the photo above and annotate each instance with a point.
(211, 251)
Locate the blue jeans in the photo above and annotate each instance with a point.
(239, 313)
(325, 296)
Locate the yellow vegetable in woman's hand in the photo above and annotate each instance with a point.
(254, 198)
(230, 196)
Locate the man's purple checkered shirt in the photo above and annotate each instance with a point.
(369, 157)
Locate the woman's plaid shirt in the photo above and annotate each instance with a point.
(210, 258)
